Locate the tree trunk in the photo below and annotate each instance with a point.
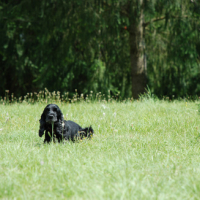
(137, 46)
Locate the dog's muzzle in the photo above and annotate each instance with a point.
(51, 118)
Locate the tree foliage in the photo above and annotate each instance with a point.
(85, 45)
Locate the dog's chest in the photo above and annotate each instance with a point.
(49, 129)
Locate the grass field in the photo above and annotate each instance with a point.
(141, 150)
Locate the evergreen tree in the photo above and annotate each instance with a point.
(100, 45)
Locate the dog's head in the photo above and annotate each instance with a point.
(51, 114)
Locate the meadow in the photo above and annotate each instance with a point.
(148, 149)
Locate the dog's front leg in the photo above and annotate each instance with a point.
(47, 138)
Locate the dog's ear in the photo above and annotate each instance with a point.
(60, 121)
(43, 116)
(42, 124)
(60, 115)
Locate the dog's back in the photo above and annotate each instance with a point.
(71, 130)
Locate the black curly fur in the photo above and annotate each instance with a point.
(63, 129)
(87, 132)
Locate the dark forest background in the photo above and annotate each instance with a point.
(99, 45)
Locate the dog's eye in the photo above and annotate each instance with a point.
(48, 109)
(54, 109)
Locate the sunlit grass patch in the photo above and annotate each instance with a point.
(140, 150)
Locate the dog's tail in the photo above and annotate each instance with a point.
(86, 132)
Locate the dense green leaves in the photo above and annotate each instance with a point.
(173, 62)
(84, 45)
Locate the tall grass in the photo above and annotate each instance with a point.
(45, 96)
(145, 149)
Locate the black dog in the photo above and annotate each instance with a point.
(62, 129)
